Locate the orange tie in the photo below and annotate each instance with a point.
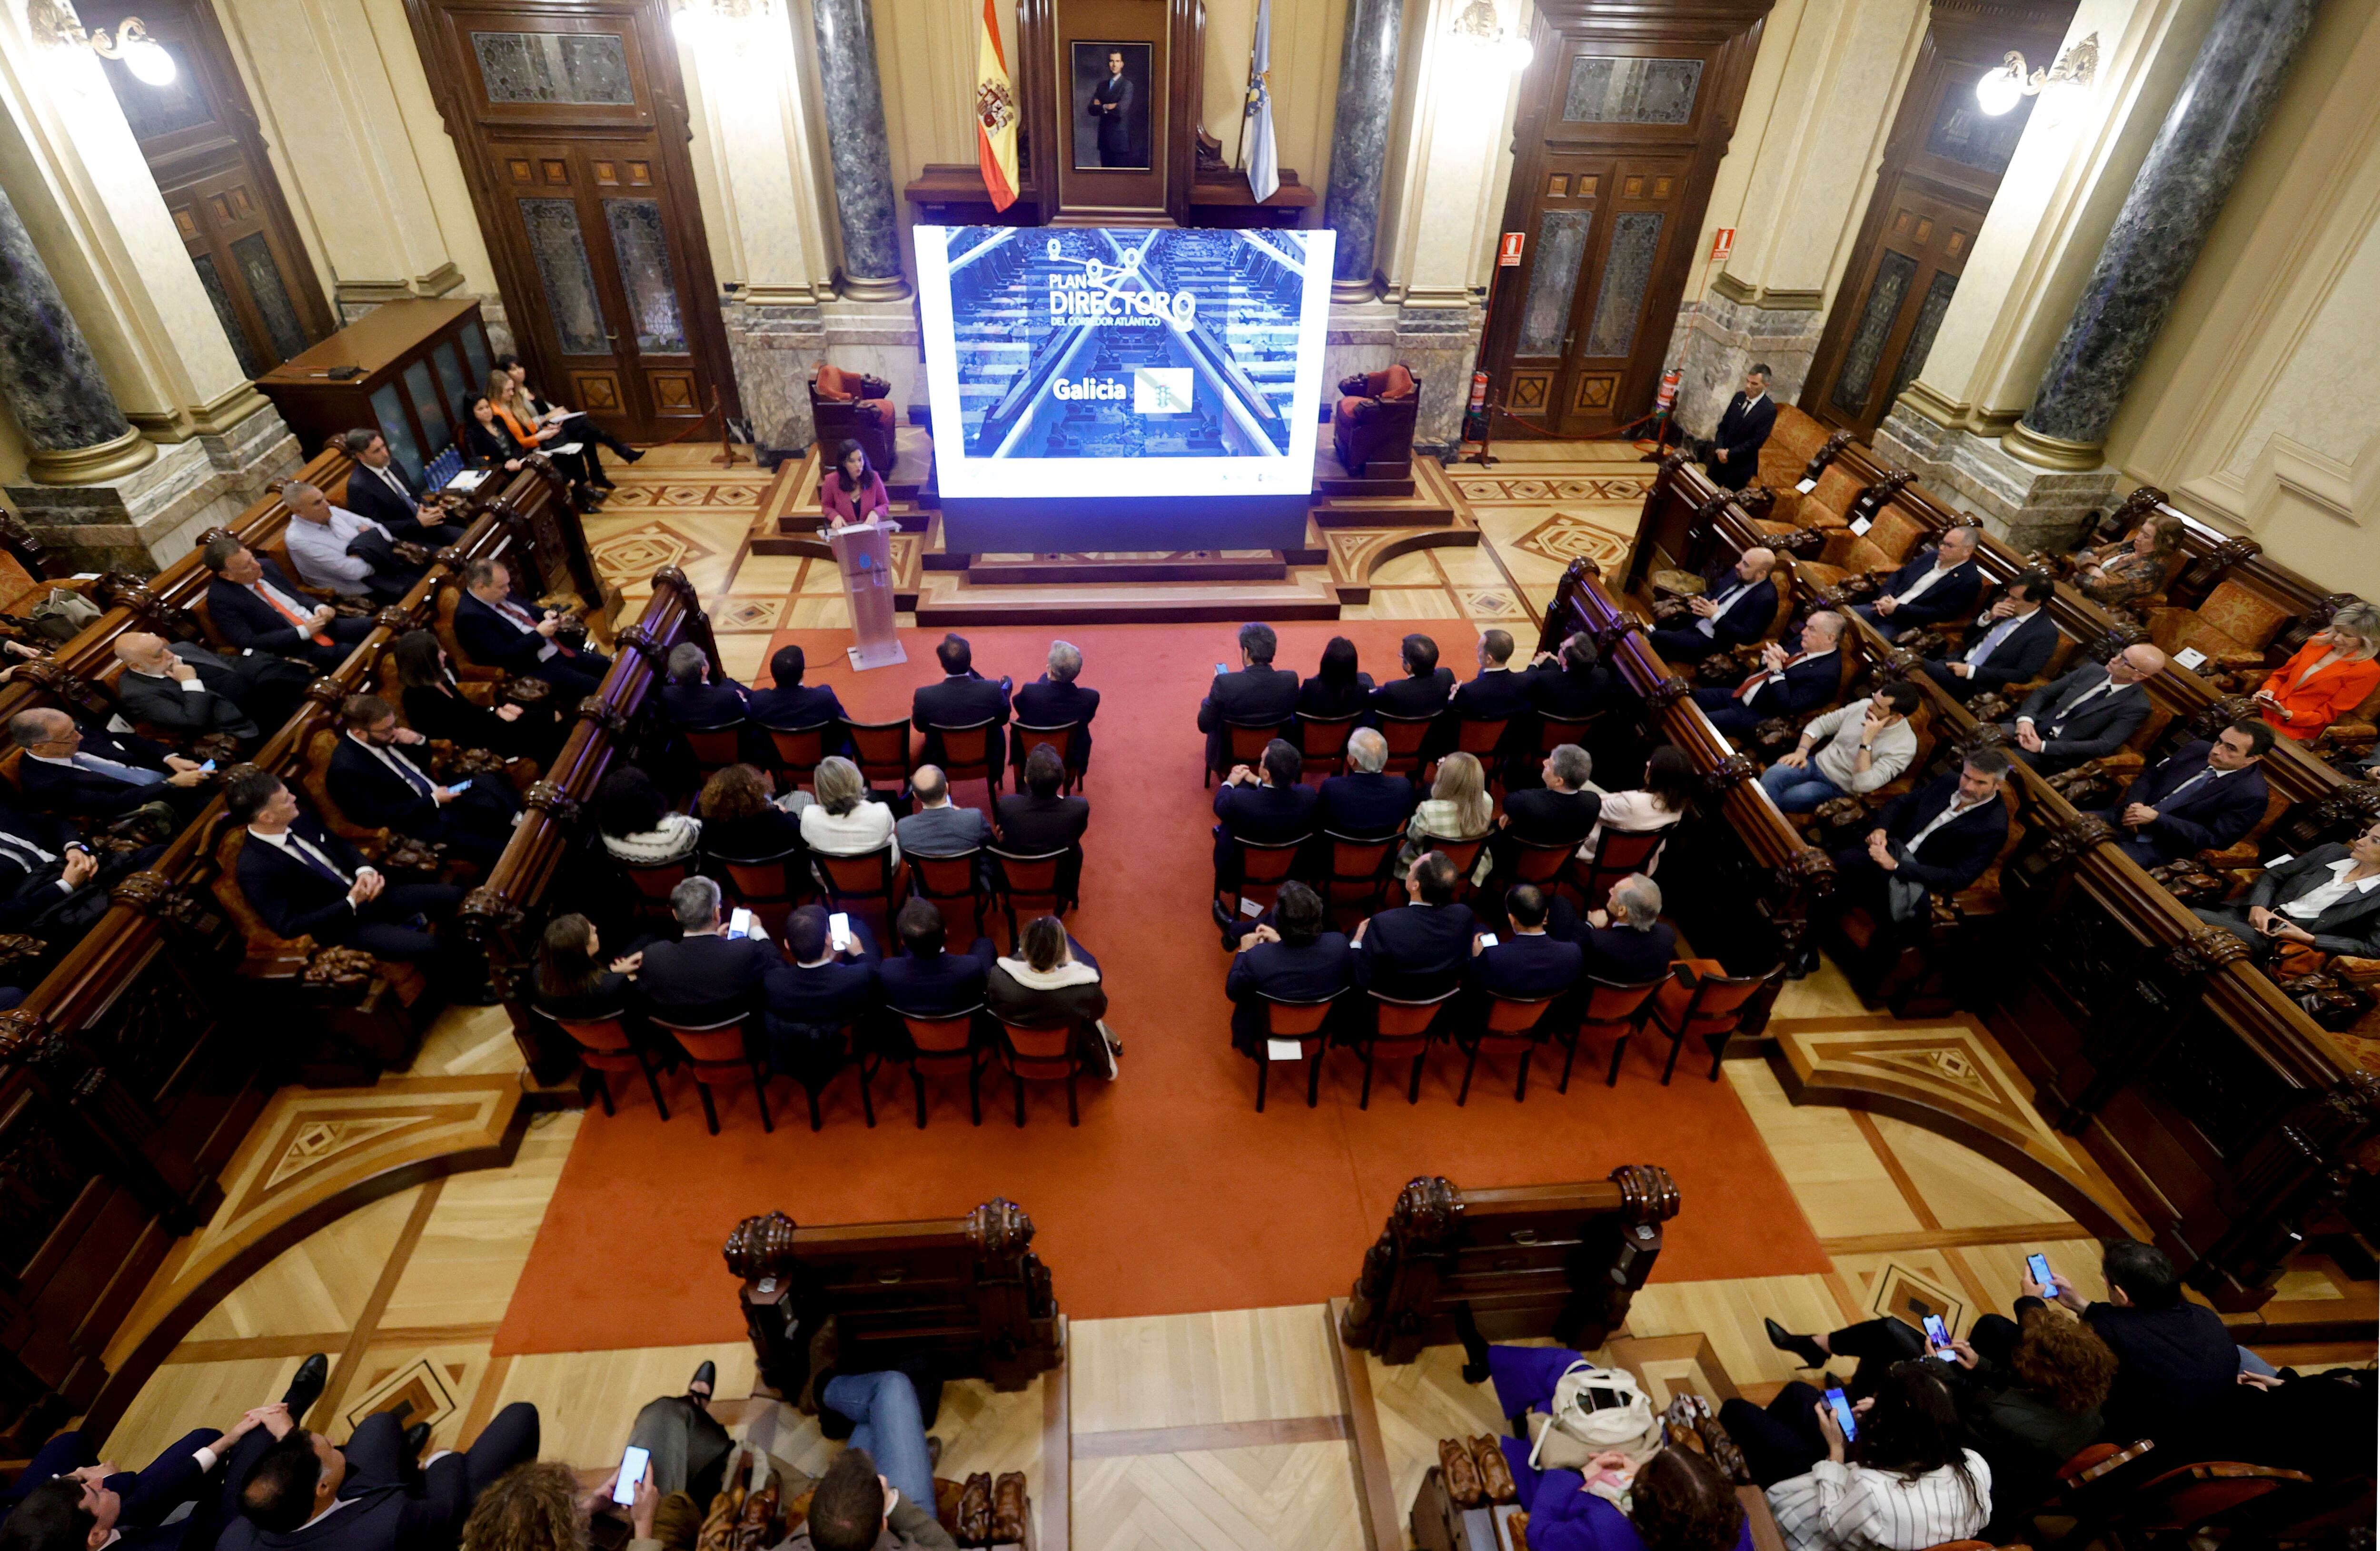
(1745, 690)
(297, 620)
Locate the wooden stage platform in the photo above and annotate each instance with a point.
(1348, 536)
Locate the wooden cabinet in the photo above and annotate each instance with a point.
(411, 369)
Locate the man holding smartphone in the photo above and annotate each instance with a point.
(378, 778)
(830, 986)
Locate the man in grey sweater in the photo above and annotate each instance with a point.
(1847, 752)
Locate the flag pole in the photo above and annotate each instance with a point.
(1239, 151)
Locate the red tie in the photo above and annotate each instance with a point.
(298, 620)
(1745, 690)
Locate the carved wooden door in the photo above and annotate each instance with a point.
(572, 121)
(1912, 274)
(1621, 126)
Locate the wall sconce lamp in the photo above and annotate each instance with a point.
(2060, 87)
(137, 51)
(1481, 26)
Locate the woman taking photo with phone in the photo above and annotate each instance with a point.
(1900, 1478)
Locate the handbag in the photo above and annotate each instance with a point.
(1593, 1410)
(61, 616)
(1106, 1048)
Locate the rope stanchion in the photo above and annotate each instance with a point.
(727, 457)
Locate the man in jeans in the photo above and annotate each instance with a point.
(1847, 752)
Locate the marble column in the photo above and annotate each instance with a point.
(853, 95)
(1359, 143)
(75, 432)
(2215, 117)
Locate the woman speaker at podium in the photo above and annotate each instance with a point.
(852, 492)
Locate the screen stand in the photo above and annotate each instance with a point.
(863, 552)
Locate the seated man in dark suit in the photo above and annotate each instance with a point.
(926, 980)
(1498, 694)
(2203, 798)
(1425, 688)
(1258, 692)
(1268, 809)
(1938, 584)
(1559, 812)
(1036, 820)
(287, 1485)
(830, 983)
(1736, 606)
(382, 491)
(1627, 942)
(1732, 456)
(51, 883)
(705, 976)
(1054, 700)
(90, 775)
(1935, 840)
(1422, 948)
(2328, 899)
(1790, 683)
(693, 699)
(306, 881)
(1531, 964)
(1573, 682)
(1364, 804)
(379, 777)
(964, 698)
(938, 827)
(786, 703)
(187, 691)
(2010, 644)
(258, 609)
(2087, 714)
(1295, 957)
(500, 629)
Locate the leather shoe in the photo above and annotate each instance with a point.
(706, 1374)
(1224, 922)
(306, 1387)
(1812, 1355)
(417, 1439)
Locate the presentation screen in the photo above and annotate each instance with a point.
(1130, 363)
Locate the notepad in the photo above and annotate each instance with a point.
(1807, 486)
(567, 449)
(1861, 524)
(470, 480)
(1251, 907)
(2190, 657)
(1285, 1050)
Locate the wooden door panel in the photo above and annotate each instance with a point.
(1911, 279)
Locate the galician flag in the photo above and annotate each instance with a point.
(1264, 160)
(995, 115)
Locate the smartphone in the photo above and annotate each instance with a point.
(1937, 1335)
(838, 928)
(632, 1471)
(2037, 1267)
(1836, 1399)
(741, 923)
(1487, 939)
(461, 786)
(1220, 670)
(207, 768)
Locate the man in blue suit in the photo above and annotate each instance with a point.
(1732, 456)
(926, 980)
(830, 982)
(1937, 840)
(1938, 584)
(379, 777)
(1497, 694)
(68, 769)
(1626, 941)
(787, 703)
(962, 699)
(381, 491)
(1736, 607)
(1422, 948)
(1531, 963)
(1054, 700)
(2088, 714)
(1256, 692)
(287, 1485)
(1790, 684)
(1270, 810)
(258, 609)
(2203, 798)
(306, 881)
(693, 699)
(1364, 804)
(1292, 958)
(498, 629)
(2010, 644)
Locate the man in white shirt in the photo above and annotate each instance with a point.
(334, 548)
(1848, 751)
(2327, 900)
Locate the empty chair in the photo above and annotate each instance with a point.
(1029, 883)
(605, 1046)
(799, 749)
(1701, 997)
(1300, 1020)
(721, 1051)
(1322, 742)
(941, 1047)
(1613, 1007)
(1401, 1029)
(1040, 1053)
(1507, 1025)
(880, 749)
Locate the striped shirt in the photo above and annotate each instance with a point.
(1851, 1507)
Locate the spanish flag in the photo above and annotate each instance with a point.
(995, 115)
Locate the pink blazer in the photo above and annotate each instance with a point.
(839, 505)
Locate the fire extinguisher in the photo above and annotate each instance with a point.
(1478, 392)
(1669, 381)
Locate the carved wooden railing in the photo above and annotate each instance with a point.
(507, 913)
(2215, 1103)
(130, 1074)
(1532, 1260)
(968, 1295)
(1765, 877)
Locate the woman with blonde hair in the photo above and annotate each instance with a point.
(537, 1506)
(2133, 566)
(845, 820)
(1458, 809)
(2330, 675)
(518, 412)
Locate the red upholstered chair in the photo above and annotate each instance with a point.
(1613, 1007)
(1618, 853)
(946, 881)
(1404, 736)
(768, 886)
(1245, 745)
(605, 1046)
(854, 406)
(1028, 883)
(1264, 867)
(1301, 1021)
(966, 754)
(942, 1046)
(717, 1053)
(799, 749)
(881, 751)
(1359, 872)
(1508, 1025)
(715, 748)
(871, 879)
(655, 880)
(1555, 731)
(1464, 854)
(1373, 427)
(1547, 867)
(1322, 742)
(1400, 1028)
(1702, 997)
(1040, 1053)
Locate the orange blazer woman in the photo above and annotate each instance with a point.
(2317, 702)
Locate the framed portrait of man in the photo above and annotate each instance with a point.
(1112, 104)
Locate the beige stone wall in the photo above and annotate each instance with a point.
(1304, 79)
(2256, 410)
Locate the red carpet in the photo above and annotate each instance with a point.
(1174, 1195)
